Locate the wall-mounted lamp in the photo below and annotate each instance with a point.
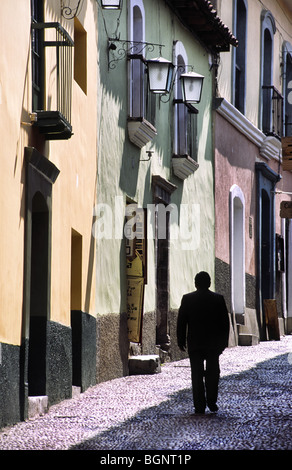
(160, 74)
(111, 4)
(160, 71)
(192, 85)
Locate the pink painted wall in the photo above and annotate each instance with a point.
(234, 164)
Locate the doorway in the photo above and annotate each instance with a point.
(266, 255)
(76, 303)
(237, 251)
(162, 190)
(38, 314)
(162, 276)
(266, 248)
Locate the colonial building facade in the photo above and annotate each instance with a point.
(116, 192)
(252, 116)
(48, 193)
(90, 156)
(155, 155)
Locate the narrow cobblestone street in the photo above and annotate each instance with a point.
(154, 412)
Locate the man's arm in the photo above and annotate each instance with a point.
(182, 326)
(224, 324)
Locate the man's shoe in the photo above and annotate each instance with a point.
(213, 408)
(199, 412)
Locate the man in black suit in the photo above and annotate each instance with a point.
(203, 323)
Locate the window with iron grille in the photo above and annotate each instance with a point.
(186, 129)
(52, 116)
(288, 91)
(240, 55)
(272, 111)
(37, 56)
(271, 98)
(185, 115)
(142, 103)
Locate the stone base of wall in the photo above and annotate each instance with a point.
(149, 333)
(59, 362)
(175, 353)
(10, 411)
(15, 403)
(245, 329)
(84, 349)
(288, 325)
(112, 347)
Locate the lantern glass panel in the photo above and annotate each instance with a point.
(111, 4)
(192, 84)
(160, 73)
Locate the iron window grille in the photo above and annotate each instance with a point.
(142, 103)
(272, 111)
(186, 129)
(54, 123)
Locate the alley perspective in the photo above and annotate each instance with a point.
(154, 412)
(143, 142)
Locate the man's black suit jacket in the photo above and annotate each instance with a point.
(203, 322)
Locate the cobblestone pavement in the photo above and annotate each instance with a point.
(154, 412)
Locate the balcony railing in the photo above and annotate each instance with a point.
(272, 111)
(54, 120)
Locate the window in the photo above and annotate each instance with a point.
(37, 56)
(142, 103)
(237, 249)
(185, 116)
(80, 55)
(137, 66)
(272, 100)
(239, 73)
(287, 55)
(51, 79)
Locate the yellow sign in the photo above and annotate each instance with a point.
(135, 266)
(136, 274)
(135, 297)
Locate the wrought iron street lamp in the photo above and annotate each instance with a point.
(160, 73)
(111, 4)
(192, 84)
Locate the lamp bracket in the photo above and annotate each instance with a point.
(69, 12)
(190, 107)
(149, 153)
(119, 49)
(179, 69)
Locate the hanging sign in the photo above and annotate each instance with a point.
(287, 153)
(286, 209)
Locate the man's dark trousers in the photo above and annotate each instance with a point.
(205, 380)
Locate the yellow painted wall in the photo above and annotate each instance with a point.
(75, 189)
(14, 99)
(73, 195)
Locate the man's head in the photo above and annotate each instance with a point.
(202, 280)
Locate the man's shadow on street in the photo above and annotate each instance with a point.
(244, 399)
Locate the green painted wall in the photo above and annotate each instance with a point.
(121, 174)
